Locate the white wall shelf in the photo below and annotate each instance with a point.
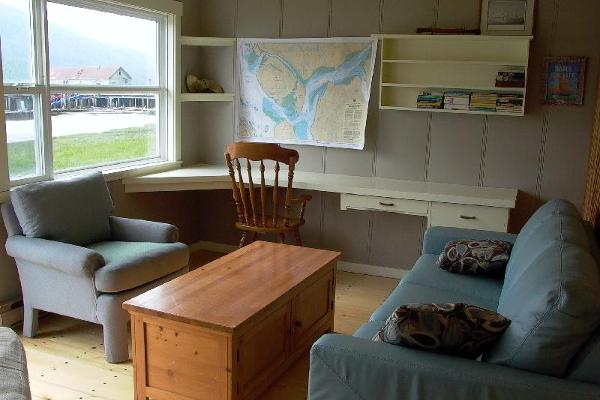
(207, 41)
(411, 64)
(185, 97)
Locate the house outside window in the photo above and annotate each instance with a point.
(87, 84)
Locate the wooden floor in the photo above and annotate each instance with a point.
(66, 359)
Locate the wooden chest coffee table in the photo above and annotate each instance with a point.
(229, 329)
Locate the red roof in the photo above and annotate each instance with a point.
(98, 73)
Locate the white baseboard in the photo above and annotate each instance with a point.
(346, 266)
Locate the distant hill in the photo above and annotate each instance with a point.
(72, 50)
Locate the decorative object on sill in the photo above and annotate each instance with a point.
(202, 85)
(507, 17)
(564, 80)
(447, 31)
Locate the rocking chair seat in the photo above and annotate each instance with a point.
(279, 227)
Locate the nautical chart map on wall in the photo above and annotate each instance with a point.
(305, 91)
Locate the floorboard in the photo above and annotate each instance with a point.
(66, 359)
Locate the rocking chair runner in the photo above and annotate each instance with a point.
(254, 214)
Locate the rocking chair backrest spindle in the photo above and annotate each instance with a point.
(252, 203)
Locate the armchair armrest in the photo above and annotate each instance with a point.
(349, 368)
(64, 257)
(436, 237)
(139, 230)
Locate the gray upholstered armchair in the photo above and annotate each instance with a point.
(75, 259)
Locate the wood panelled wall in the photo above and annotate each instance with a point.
(544, 154)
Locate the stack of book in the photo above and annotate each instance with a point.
(457, 100)
(430, 99)
(509, 103)
(510, 79)
(484, 102)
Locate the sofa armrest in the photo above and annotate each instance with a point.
(349, 368)
(139, 230)
(14, 382)
(436, 237)
(64, 257)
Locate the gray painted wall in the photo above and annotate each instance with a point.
(544, 154)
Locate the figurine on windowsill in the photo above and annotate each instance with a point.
(202, 85)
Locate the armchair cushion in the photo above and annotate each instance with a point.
(132, 264)
(64, 257)
(139, 230)
(14, 384)
(72, 211)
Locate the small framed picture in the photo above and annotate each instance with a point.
(507, 17)
(564, 80)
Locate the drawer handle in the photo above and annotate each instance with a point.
(468, 217)
(298, 324)
(386, 204)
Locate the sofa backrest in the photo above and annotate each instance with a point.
(541, 216)
(551, 295)
(585, 366)
(74, 211)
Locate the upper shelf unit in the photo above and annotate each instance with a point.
(206, 57)
(439, 64)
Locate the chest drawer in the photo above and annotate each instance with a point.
(470, 217)
(376, 203)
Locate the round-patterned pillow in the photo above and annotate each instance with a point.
(456, 329)
(475, 256)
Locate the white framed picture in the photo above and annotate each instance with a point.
(507, 17)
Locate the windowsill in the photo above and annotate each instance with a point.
(125, 171)
(113, 174)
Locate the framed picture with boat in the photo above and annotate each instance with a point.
(564, 80)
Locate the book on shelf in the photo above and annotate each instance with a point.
(457, 100)
(510, 79)
(509, 103)
(430, 99)
(483, 101)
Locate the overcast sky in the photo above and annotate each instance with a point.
(130, 32)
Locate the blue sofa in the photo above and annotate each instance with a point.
(551, 350)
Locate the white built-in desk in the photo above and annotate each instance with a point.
(442, 204)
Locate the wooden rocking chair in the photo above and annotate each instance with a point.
(254, 213)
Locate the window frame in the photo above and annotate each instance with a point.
(166, 13)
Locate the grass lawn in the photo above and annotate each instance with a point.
(85, 149)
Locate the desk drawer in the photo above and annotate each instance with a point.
(467, 216)
(375, 203)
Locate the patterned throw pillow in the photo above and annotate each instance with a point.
(455, 329)
(475, 256)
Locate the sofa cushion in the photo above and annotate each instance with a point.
(132, 264)
(554, 306)
(369, 329)
(557, 227)
(407, 293)
(477, 257)
(586, 363)
(14, 384)
(72, 211)
(483, 291)
(455, 329)
(543, 221)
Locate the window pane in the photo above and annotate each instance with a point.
(15, 32)
(89, 47)
(96, 129)
(20, 111)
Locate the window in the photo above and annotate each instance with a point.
(86, 85)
